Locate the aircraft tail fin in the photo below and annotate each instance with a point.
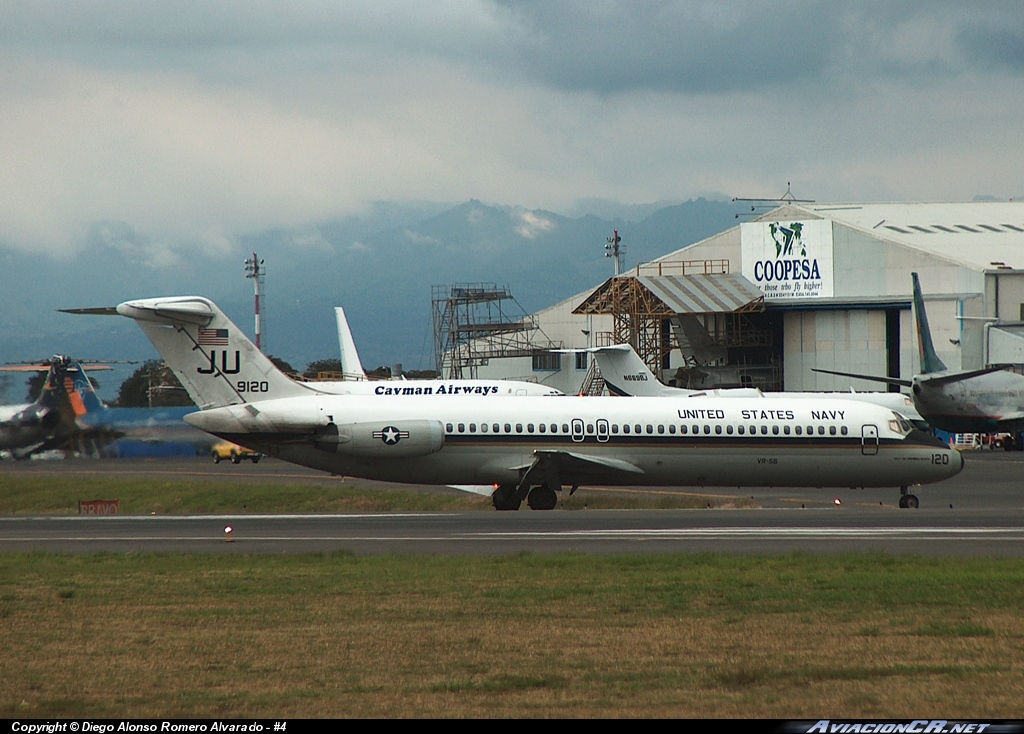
(625, 373)
(54, 408)
(214, 360)
(930, 361)
(83, 397)
(350, 364)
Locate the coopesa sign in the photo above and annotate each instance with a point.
(788, 259)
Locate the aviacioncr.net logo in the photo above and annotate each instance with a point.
(787, 238)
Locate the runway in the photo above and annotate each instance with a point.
(979, 512)
(926, 533)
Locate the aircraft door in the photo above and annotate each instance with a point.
(577, 430)
(602, 430)
(869, 440)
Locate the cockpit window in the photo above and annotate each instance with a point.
(900, 425)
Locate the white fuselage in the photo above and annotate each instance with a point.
(638, 442)
(396, 389)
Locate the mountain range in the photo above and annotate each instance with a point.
(379, 265)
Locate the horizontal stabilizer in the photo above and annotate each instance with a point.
(874, 378)
(101, 311)
(943, 379)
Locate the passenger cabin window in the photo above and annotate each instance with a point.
(472, 427)
(519, 427)
(529, 428)
(462, 428)
(508, 428)
(450, 428)
(495, 428)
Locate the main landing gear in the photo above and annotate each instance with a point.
(907, 499)
(541, 497)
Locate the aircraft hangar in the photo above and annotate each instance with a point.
(802, 286)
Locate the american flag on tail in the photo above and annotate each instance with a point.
(213, 337)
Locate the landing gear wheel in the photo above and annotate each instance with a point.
(542, 498)
(504, 498)
(235, 458)
(256, 459)
(216, 458)
(907, 500)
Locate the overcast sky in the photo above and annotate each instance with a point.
(188, 125)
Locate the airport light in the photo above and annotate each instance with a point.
(254, 270)
(616, 250)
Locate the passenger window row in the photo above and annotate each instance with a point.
(650, 429)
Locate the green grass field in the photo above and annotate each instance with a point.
(59, 493)
(523, 635)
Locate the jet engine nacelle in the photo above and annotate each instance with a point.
(382, 439)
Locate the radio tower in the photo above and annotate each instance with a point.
(254, 269)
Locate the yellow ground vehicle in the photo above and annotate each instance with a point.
(228, 450)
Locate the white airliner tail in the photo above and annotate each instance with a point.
(350, 364)
(626, 374)
(215, 362)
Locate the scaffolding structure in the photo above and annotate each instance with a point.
(643, 319)
(475, 322)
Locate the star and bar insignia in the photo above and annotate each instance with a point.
(390, 435)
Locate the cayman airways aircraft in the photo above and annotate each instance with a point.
(626, 374)
(974, 401)
(529, 448)
(355, 381)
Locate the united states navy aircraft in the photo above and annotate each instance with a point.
(626, 374)
(988, 399)
(529, 448)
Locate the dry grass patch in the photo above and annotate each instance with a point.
(337, 635)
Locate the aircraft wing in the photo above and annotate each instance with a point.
(556, 468)
(485, 490)
(875, 378)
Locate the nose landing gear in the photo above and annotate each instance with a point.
(907, 500)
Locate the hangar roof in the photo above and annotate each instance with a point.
(668, 294)
(980, 235)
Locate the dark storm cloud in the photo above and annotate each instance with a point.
(606, 48)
